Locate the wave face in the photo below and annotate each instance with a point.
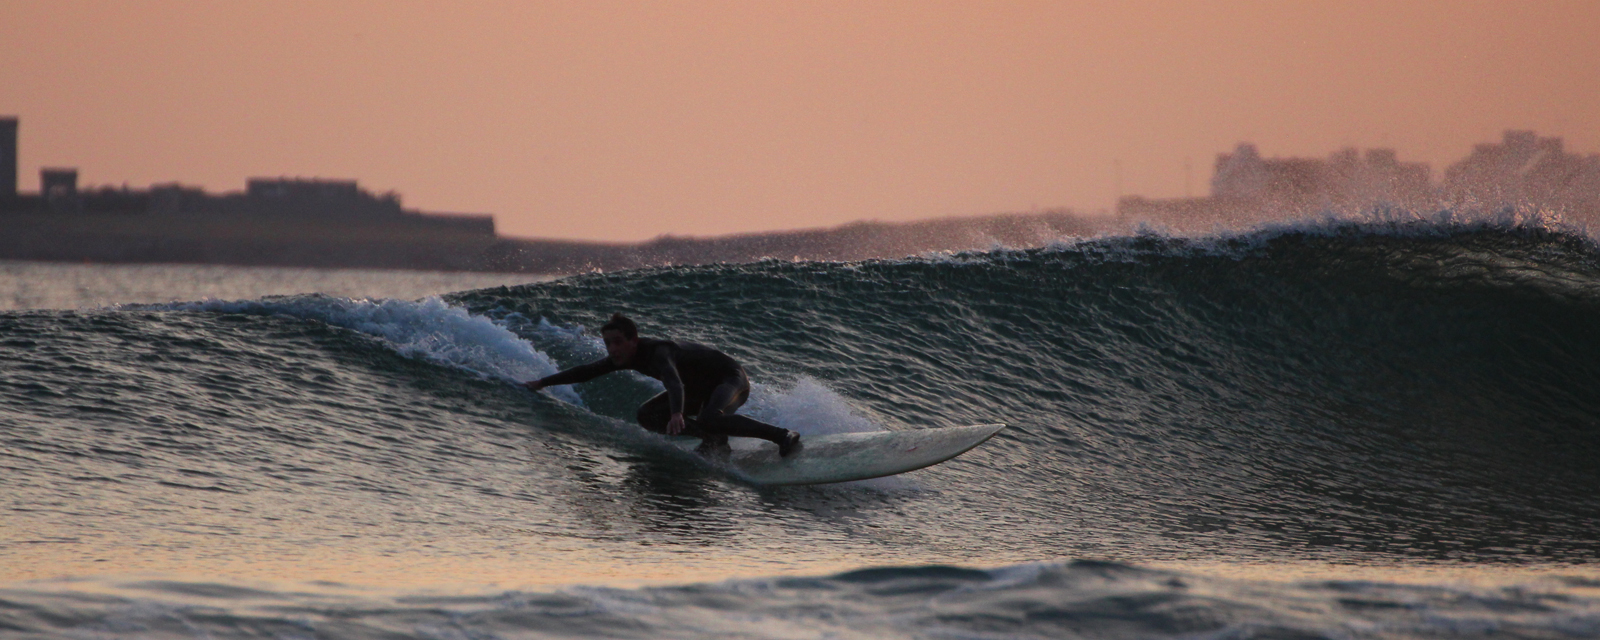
(1418, 389)
(1337, 392)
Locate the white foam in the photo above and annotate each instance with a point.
(807, 407)
(811, 408)
(429, 329)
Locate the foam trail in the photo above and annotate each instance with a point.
(429, 329)
(812, 409)
(807, 407)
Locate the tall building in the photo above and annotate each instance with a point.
(8, 157)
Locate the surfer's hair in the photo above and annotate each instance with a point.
(621, 323)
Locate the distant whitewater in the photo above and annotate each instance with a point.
(1402, 393)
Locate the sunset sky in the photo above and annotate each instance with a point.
(624, 121)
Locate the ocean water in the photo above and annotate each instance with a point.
(51, 285)
(1375, 428)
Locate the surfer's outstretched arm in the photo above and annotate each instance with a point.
(580, 373)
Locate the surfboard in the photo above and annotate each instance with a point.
(842, 457)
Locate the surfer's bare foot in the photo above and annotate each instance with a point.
(790, 444)
(715, 447)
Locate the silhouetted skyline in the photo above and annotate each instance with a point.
(620, 121)
(1523, 170)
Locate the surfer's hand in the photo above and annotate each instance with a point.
(675, 424)
(533, 385)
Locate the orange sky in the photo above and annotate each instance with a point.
(623, 121)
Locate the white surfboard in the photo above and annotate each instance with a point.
(842, 457)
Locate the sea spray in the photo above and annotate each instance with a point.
(430, 329)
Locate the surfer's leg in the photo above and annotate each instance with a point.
(654, 414)
(717, 416)
(741, 427)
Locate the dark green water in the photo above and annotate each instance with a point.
(1408, 394)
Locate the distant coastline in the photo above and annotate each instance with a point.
(322, 223)
(248, 240)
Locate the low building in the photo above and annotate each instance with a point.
(1525, 169)
(1346, 178)
(1247, 188)
(283, 203)
(1522, 170)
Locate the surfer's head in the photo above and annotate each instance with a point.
(622, 338)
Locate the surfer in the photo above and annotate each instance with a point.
(699, 380)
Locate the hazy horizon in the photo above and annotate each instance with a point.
(623, 122)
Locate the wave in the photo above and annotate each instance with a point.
(429, 329)
(1404, 375)
(1419, 390)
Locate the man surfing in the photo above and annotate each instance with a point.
(699, 380)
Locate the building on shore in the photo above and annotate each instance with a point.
(8, 159)
(313, 203)
(1522, 170)
(1524, 167)
(1247, 188)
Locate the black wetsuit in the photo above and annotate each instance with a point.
(700, 381)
